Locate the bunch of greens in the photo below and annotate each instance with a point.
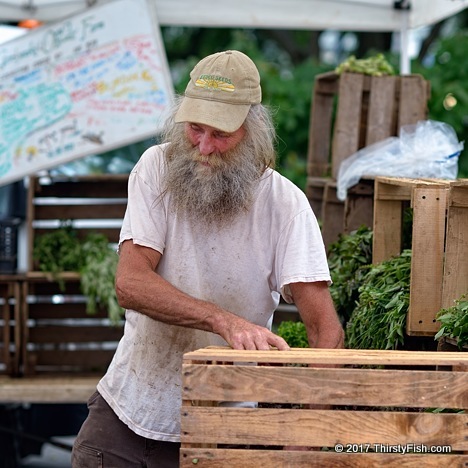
(454, 322)
(348, 260)
(294, 333)
(98, 276)
(376, 65)
(378, 321)
(58, 251)
(61, 251)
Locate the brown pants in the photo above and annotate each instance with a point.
(106, 442)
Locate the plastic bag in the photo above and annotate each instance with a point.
(428, 149)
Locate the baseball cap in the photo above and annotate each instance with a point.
(221, 89)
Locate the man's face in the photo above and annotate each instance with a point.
(211, 174)
(211, 142)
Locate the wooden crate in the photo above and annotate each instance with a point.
(368, 109)
(92, 203)
(58, 335)
(349, 112)
(10, 332)
(360, 414)
(439, 272)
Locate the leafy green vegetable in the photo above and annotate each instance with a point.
(294, 333)
(58, 251)
(454, 322)
(61, 250)
(376, 65)
(348, 260)
(378, 321)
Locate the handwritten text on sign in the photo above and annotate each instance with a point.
(91, 83)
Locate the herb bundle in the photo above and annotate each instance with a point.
(378, 321)
(348, 260)
(62, 250)
(454, 322)
(294, 333)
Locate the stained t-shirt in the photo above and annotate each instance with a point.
(243, 268)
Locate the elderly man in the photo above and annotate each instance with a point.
(211, 237)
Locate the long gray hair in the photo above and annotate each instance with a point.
(260, 132)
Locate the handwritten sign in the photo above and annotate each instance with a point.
(91, 83)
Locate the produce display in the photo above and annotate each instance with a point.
(454, 322)
(378, 321)
(374, 66)
(62, 250)
(348, 260)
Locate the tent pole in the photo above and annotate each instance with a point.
(405, 63)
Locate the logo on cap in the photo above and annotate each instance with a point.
(214, 82)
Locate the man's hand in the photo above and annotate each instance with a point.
(241, 334)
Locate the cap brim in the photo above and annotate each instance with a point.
(220, 115)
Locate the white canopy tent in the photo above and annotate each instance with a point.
(342, 15)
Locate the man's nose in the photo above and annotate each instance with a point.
(206, 144)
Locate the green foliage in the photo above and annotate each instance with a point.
(454, 322)
(348, 259)
(378, 321)
(294, 333)
(448, 76)
(61, 250)
(58, 251)
(376, 65)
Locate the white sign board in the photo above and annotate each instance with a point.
(88, 84)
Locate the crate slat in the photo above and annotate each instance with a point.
(207, 458)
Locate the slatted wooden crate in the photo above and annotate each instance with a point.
(10, 304)
(58, 335)
(349, 112)
(92, 203)
(439, 264)
(362, 414)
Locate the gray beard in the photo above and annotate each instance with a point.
(213, 195)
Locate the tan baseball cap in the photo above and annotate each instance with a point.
(221, 89)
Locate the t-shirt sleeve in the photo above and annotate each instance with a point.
(301, 254)
(145, 217)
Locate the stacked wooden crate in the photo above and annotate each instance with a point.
(439, 242)
(10, 303)
(349, 112)
(324, 407)
(57, 333)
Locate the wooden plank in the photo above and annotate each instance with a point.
(82, 211)
(112, 186)
(6, 332)
(320, 131)
(348, 119)
(356, 387)
(47, 390)
(427, 260)
(310, 356)
(218, 458)
(455, 277)
(62, 360)
(68, 310)
(332, 214)
(387, 225)
(321, 428)
(74, 333)
(381, 116)
(414, 94)
(359, 206)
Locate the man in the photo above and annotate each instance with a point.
(212, 236)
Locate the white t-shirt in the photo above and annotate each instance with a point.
(242, 268)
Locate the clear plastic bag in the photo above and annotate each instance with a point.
(428, 149)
